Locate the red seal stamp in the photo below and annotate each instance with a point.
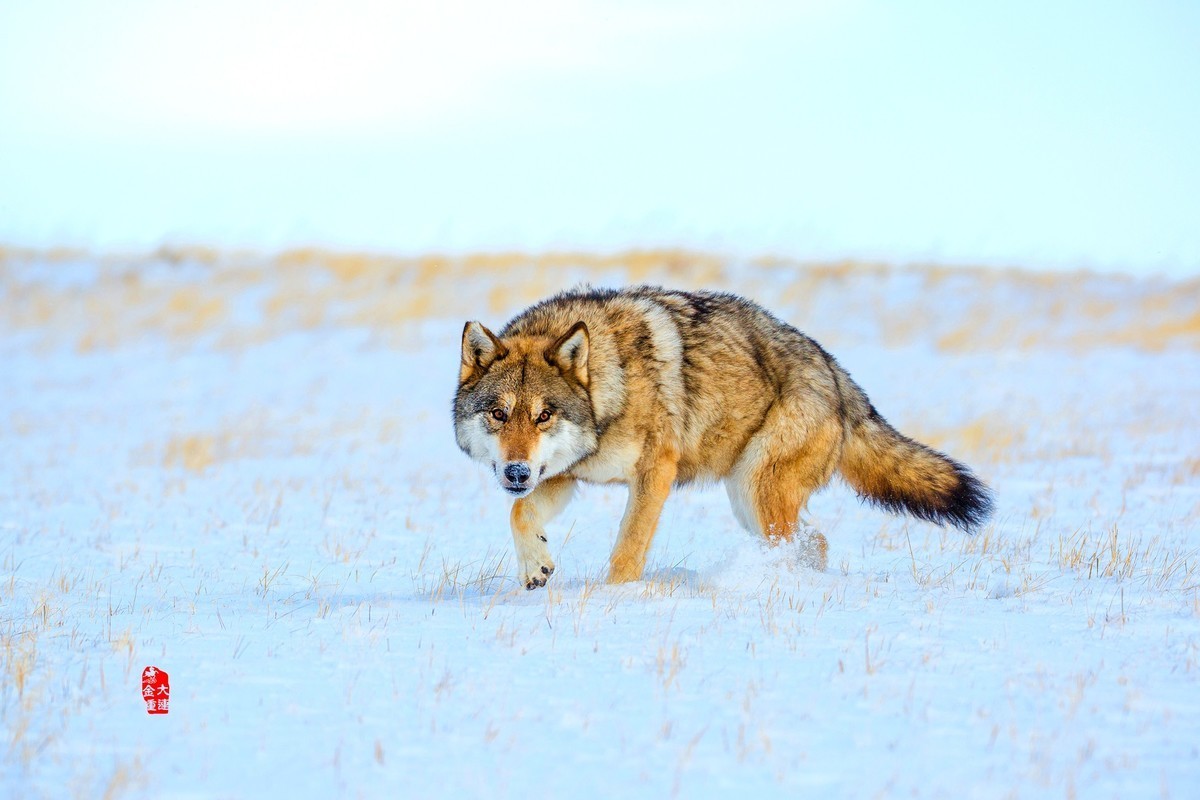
(156, 691)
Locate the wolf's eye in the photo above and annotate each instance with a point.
(499, 415)
(544, 416)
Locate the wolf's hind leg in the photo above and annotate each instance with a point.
(780, 468)
(528, 519)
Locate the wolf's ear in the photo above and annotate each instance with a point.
(480, 348)
(570, 353)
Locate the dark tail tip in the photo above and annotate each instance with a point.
(966, 505)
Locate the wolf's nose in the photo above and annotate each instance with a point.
(517, 473)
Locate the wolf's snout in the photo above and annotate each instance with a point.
(517, 473)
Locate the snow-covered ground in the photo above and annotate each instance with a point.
(246, 476)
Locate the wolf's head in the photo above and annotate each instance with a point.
(523, 406)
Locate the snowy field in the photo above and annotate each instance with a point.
(242, 471)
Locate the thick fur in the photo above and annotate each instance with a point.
(656, 388)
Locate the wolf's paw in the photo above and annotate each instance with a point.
(534, 563)
(811, 548)
(625, 570)
(536, 574)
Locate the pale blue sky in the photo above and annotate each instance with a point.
(1039, 134)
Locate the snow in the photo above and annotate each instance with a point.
(275, 513)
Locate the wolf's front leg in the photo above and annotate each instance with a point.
(529, 517)
(647, 493)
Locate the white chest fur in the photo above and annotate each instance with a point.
(610, 464)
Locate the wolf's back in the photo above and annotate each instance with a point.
(900, 474)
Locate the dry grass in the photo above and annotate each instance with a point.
(1122, 556)
(200, 296)
(982, 440)
(178, 294)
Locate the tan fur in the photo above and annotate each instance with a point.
(528, 520)
(878, 462)
(654, 388)
(647, 493)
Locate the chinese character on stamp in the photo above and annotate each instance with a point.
(156, 690)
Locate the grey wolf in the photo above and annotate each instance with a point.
(656, 388)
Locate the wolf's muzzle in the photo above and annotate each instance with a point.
(517, 473)
(516, 477)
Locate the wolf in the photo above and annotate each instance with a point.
(655, 388)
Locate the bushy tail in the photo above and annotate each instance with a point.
(898, 474)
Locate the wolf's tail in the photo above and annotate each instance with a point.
(899, 474)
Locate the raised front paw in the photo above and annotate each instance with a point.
(533, 560)
(534, 563)
(538, 576)
(534, 572)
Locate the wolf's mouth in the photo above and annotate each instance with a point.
(517, 491)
